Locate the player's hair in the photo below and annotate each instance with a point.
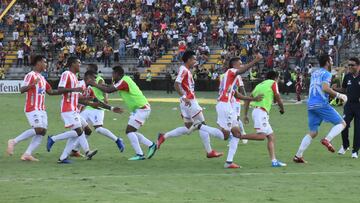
(89, 73)
(233, 61)
(272, 75)
(356, 60)
(36, 59)
(118, 69)
(187, 55)
(323, 59)
(71, 60)
(93, 67)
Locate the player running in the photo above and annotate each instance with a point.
(88, 99)
(95, 117)
(69, 87)
(35, 86)
(140, 110)
(319, 108)
(191, 112)
(260, 113)
(226, 117)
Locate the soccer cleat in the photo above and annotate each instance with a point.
(76, 154)
(195, 126)
(120, 144)
(65, 161)
(11, 146)
(152, 150)
(28, 157)
(328, 145)
(231, 165)
(214, 154)
(90, 154)
(278, 164)
(342, 151)
(50, 143)
(244, 141)
(354, 155)
(137, 158)
(299, 160)
(160, 140)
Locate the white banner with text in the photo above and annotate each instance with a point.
(10, 86)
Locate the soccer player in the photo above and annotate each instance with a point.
(88, 99)
(69, 87)
(140, 110)
(35, 86)
(319, 108)
(227, 120)
(94, 116)
(191, 111)
(260, 114)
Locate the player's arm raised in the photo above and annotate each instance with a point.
(245, 67)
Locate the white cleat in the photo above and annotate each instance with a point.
(342, 151)
(354, 155)
(244, 141)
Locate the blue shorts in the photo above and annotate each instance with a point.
(320, 114)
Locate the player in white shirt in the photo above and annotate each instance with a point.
(35, 86)
(191, 111)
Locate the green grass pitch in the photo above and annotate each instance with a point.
(179, 171)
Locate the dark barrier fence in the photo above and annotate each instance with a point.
(200, 85)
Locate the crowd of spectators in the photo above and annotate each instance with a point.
(108, 31)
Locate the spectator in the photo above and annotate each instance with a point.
(20, 57)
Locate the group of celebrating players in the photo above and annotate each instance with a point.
(83, 104)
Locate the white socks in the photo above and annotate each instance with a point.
(35, 142)
(205, 138)
(336, 130)
(176, 132)
(134, 140)
(70, 145)
(25, 135)
(65, 135)
(106, 133)
(144, 140)
(306, 141)
(213, 131)
(84, 143)
(233, 144)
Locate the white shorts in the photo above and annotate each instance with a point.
(93, 116)
(226, 117)
(188, 113)
(37, 119)
(73, 120)
(261, 121)
(138, 118)
(237, 108)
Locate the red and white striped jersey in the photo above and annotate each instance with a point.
(35, 97)
(69, 100)
(87, 93)
(187, 82)
(226, 87)
(239, 83)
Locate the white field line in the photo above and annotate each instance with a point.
(234, 173)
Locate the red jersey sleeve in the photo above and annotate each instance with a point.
(122, 86)
(275, 88)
